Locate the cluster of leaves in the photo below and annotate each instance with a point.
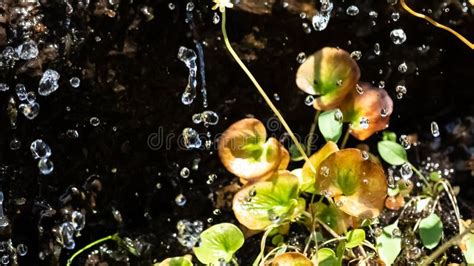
(337, 194)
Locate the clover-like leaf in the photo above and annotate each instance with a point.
(355, 181)
(368, 112)
(467, 248)
(291, 258)
(308, 176)
(431, 231)
(177, 261)
(331, 216)
(219, 242)
(389, 245)
(330, 124)
(331, 74)
(392, 152)
(267, 202)
(245, 151)
(355, 238)
(326, 257)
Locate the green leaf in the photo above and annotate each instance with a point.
(421, 204)
(330, 127)
(268, 202)
(355, 238)
(341, 247)
(435, 176)
(295, 154)
(277, 239)
(392, 152)
(326, 257)
(176, 261)
(388, 245)
(469, 251)
(431, 231)
(389, 135)
(219, 242)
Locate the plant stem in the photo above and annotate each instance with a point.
(311, 132)
(346, 137)
(262, 92)
(433, 256)
(422, 177)
(110, 237)
(329, 229)
(262, 245)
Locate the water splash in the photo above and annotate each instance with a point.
(202, 73)
(321, 20)
(188, 57)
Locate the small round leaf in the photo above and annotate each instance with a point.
(177, 261)
(330, 126)
(392, 152)
(389, 245)
(219, 242)
(431, 231)
(326, 257)
(291, 258)
(355, 238)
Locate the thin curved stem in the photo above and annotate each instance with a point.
(262, 92)
(436, 24)
(311, 132)
(110, 237)
(258, 260)
(346, 137)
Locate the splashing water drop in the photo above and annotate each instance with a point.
(301, 57)
(180, 200)
(3, 219)
(189, 232)
(4, 87)
(377, 50)
(309, 100)
(20, 91)
(209, 118)
(191, 138)
(365, 155)
(434, 129)
(188, 57)
(406, 171)
(40, 149)
(75, 82)
(356, 55)
(184, 173)
(359, 89)
(398, 36)
(352, 11)
(405, 142)
(216, 18)
(48, 83)
(66, 235)
(324, 171)
(364, 123)
(27, 50)
(338, 116)
(30, 110)
(45, 166)
(402, 68)
(321, 20)
(22, 249)
(78, 220)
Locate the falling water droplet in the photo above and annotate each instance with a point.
(364, 123)
(434, 129)
(406, 171)
(359, 89)
(395, 16)
(405, 142)
(48, 83)
(40, 149)
(21, 93)
(191, 138)
(75, 82)
(377, 50)
(301, 57)
(321, 19)
(184, 172)
(188, 57)
(338, 116)
(4, 87)
(309, 100)
(365, 155)
(216, 18)
(402, 68)
(352, 10)
(356, 55)
(46, 166)
(398, 36)
(180, 200)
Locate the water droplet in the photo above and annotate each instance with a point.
(75, 82)
(22, 249)
(5, 259)
(31, 97)
(188, 57)
(27, 50)
(171, 6)
(434, 129)
(15, 144)
(406, 171)
(414, 253)
(321, 19)
(216, 212)
(191, 138)
(359, 89)
(180, 200)
(20, 90)
(301, 57)
(45, 166)
(396, 232)
(339, 203)
(364, 123)
(402, 68)
(66, 235)
(398, 36)
(40, 149)
(381, 84)
(211, 178)
(377, 50)
(94, 121)
(253, 192)
(184, 172)
(395, 16)
(276, 96)
(392, 2)
(4, 87)
(324, 171)
(352, 10)
(72, 134)
(273, 217)
(306, 28)
(338, 116)
(339, 82)
(365, 155)
(383, 112)
(378, 231)
(197, 119)
(216, 18)
(373, 14)
(49, 82)
(190, 6)
(405, 142)
(30, 110)
(78, 220)
(189, 232)
(309, 100)
(209, 118)
(356, 55)
(365, 181)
